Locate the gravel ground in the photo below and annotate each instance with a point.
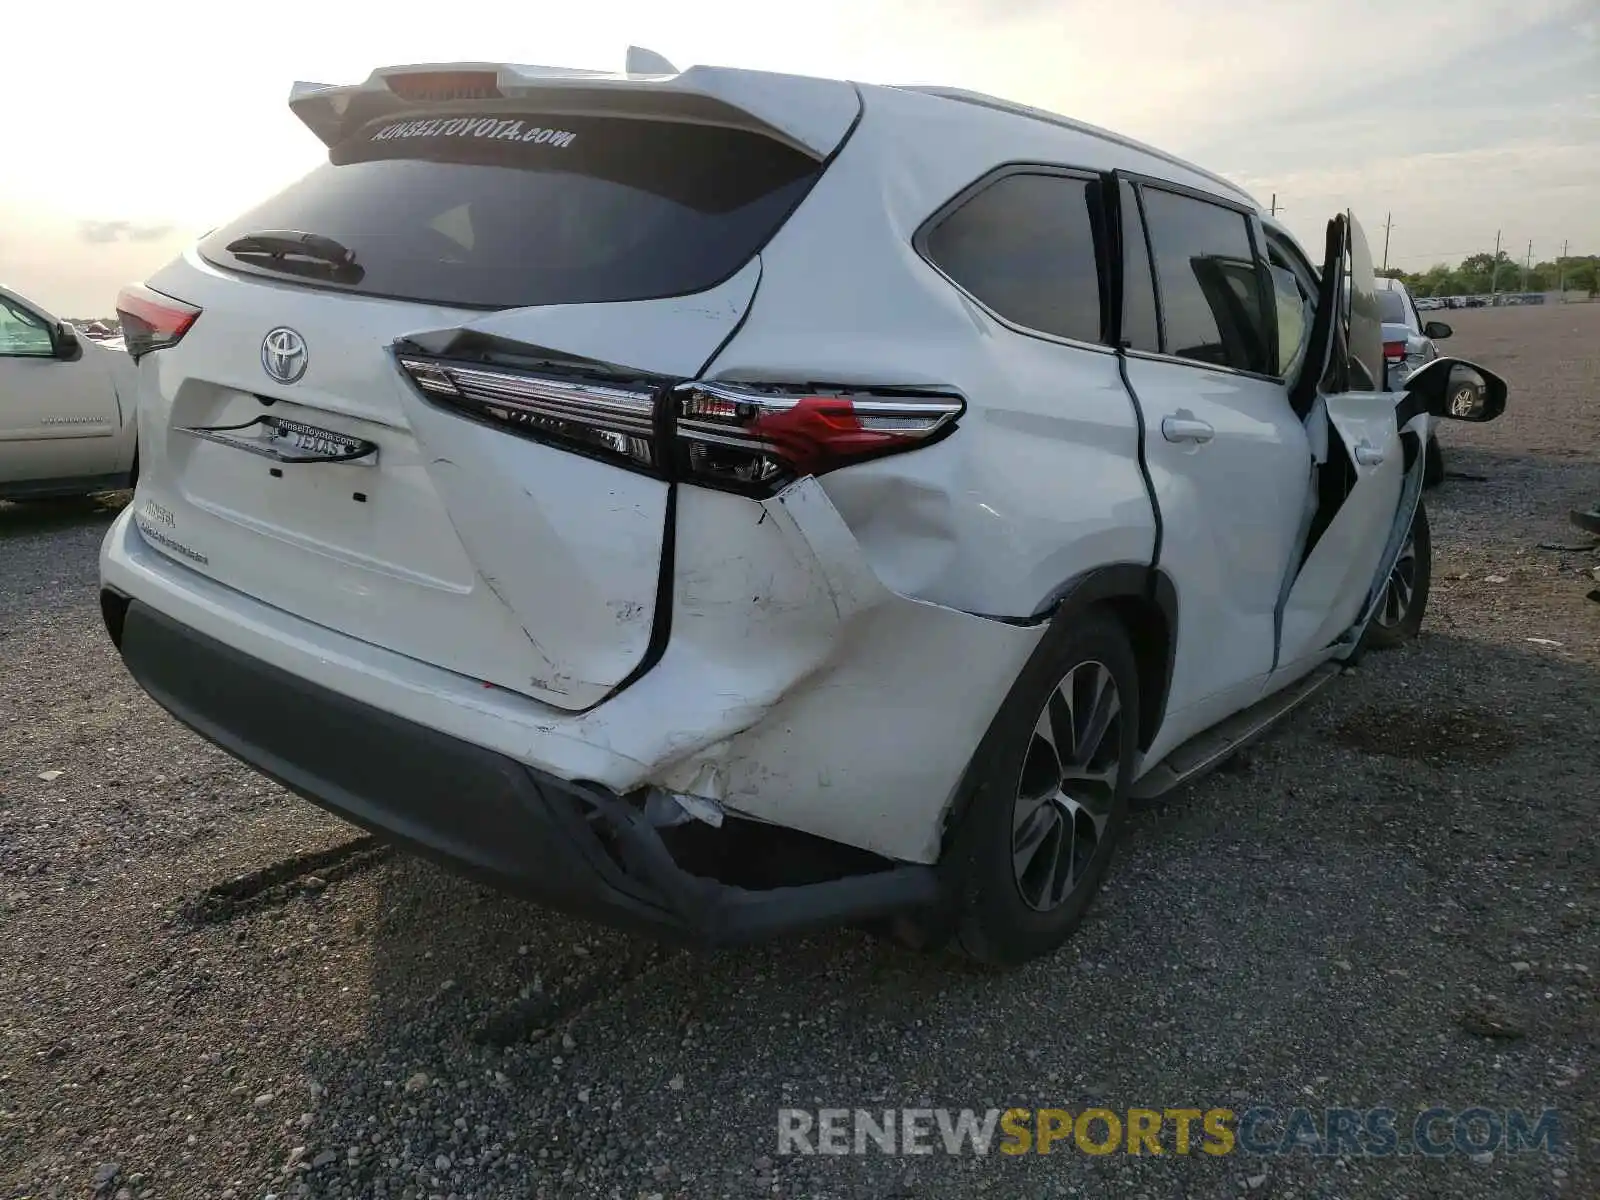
(211, 989)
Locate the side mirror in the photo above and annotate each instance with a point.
(65, 339)
(1437, 330)
(1458, 390)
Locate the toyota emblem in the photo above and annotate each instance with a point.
(283, 355)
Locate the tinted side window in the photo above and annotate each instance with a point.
(1295, 310)
(1211, 302)
(1140, 329)
(1030, 247)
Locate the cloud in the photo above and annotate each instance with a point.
(1462, 117)
(45, 256)
(1459, 119)
(100, 232)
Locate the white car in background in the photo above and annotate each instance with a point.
(67, 413)
(1408, 345)
(726, 503)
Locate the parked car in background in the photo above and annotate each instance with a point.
(67, 411)
(1408, 345)
(490, 502)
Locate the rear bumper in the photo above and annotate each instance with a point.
(576, 848)
(830, 706)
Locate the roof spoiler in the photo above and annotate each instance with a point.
(812, 115)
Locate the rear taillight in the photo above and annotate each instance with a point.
(1394, 351)
(607, 420)
(739, 437)
(151, 320)
(761, 438)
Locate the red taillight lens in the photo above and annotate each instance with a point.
(738, 437)
(1394, 351)
(151, 320)
(745, 436)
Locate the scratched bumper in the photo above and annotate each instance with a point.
(582, 850)
(795, 690)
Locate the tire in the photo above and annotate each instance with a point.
(1399, 616)
(1433, 464)
(1008, 915)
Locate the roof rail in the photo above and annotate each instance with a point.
(983, 100)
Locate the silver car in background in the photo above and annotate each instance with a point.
(1408, 344)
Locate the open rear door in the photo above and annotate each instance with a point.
(1364, 492)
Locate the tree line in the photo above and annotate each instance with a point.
(1478, 275)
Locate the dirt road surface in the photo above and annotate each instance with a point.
(207, 988)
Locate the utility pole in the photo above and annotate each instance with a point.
(1274, 211)
(1494, 272)
(1388, 221)
(1527, 265)
(1561, 270)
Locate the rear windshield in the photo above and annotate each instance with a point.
(1393, 306)
(507, 209)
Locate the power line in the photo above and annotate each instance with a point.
(1435, 255)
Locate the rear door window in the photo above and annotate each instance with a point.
(1030, 248)
(1295, 308)
(1294, 291)
(505, 209)
(1212, 306)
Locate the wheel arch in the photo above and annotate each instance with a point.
(1143, 600)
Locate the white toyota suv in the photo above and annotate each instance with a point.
(727, 503)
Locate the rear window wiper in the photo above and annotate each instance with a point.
(294, 251)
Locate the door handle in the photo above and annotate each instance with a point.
(1186, 429)
(1368, 455)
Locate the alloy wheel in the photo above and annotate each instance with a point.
(1400, 589)
(1463, 400)
(1067, 786)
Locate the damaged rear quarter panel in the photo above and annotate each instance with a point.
(1040, 481)
(852, 711)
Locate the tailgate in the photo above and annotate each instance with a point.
(627, 250)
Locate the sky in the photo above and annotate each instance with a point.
(148, 125)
